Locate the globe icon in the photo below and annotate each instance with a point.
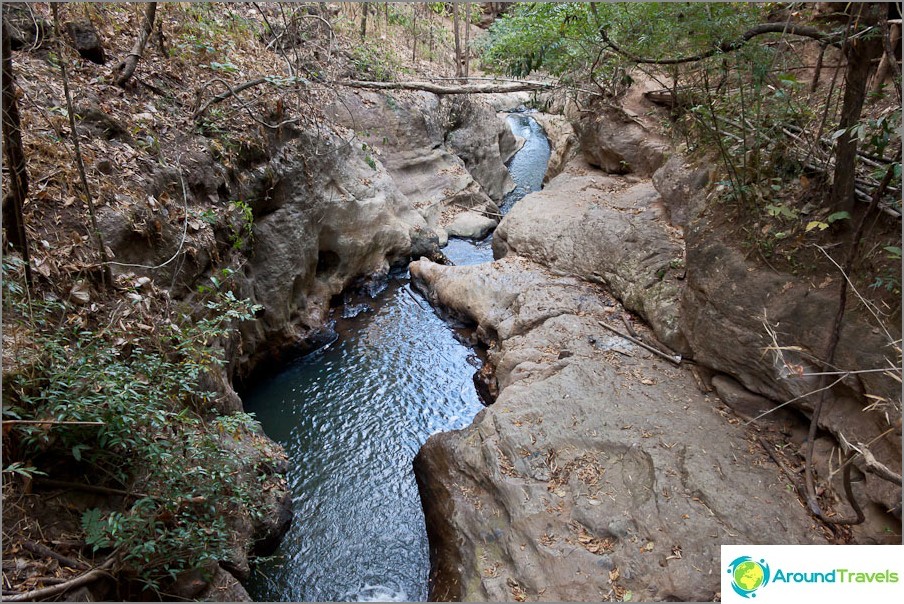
(748, 575)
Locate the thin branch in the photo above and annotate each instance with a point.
(184, 230)
(676, 360)
(758, 30)
(43, 550)
(440, 89)
(101, 248)
(829, 359)
(47, 592)
(41, 422)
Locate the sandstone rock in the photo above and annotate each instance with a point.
(224, 588)
(618, 144)
(563, 142)
(419, 141)
(329, 219)
(681, 187)
(605, 230)
(593, 470)
(729, 307)
(471, 225)
(484, 142)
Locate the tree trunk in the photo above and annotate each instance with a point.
(127, 67)
(467, 38)
(364, 7)
(13, 204)
(860, 54)
(414, 34)
(889, 60)
(456, 28)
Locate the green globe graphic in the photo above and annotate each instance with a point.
(748, 575)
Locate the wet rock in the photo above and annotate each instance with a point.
(224, 588)
(618, 144)
(606, 230)
(86, 41)
(593, 470)
(330, 219)
(471, 225)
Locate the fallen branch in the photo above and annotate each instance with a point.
(47, 592)
(86, 488)
(128, 65)
(671, 359)
(52, 422)
(500, 87)
(43, 550)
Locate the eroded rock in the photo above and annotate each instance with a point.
(617, 143)
(595, 471)
(606, 230)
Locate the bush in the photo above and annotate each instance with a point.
(149, 433)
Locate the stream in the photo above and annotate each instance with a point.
(353, 414)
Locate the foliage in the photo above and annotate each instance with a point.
(150, 435)
(374, 63)
(563, 37)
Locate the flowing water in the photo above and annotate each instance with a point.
(352, 416)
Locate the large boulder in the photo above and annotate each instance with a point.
(618, 143)
(321, 221)
(563, 142)
(596, 472)
(442, 153)
(606, 230)
(471, 225)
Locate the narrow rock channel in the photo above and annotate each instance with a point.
(352, 416)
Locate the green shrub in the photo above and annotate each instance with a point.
(152, 434)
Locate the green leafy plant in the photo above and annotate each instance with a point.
(145, 425)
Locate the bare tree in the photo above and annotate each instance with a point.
(457, 27)
(127, 66)
(859, 52)
(364, 8)
(467, 38)
(101, 248)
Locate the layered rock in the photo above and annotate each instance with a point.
(595, 473)
(606, 230)
(618, 143)
(321, 221)
(446, 154)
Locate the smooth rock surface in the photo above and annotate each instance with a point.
(605, 229)
(595, 473)
(617, 143)
(471, 225)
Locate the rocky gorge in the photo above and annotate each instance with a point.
(598, 469)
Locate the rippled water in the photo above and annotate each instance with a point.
(353, 415)
(528, 165)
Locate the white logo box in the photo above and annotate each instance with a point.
(796, 573)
